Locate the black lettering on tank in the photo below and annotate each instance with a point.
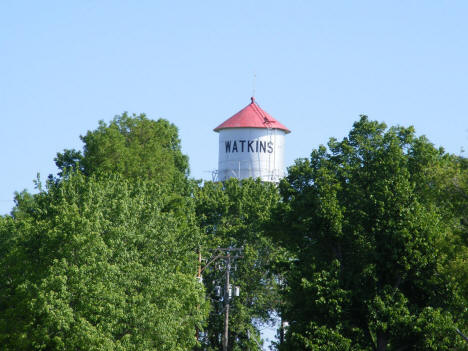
(234, 146)
(227, 144)
(242, 145)
(263, 146)
(249, 146)
(270, 147)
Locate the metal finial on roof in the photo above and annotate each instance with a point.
(252, 99)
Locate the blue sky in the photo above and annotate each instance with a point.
(64, 65)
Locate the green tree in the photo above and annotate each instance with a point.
(133, 146)
(99, 264)
(233, 213)
(374, 225)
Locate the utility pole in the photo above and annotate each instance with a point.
(228, 291)
(226, 303)
(200, 280)
(226, 255)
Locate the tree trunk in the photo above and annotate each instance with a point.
(382, 340)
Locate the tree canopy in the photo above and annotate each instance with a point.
(99, 264)
(135, 147)
(373, 225)
(234, 213)
(363, 246)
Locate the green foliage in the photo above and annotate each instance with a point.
(234, 213)
(368, 242)
(375, 225)
(320, 339)
(133, 146)
(24, 204)
(99, 264)
(69, 160)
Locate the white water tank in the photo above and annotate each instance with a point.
(251, 144)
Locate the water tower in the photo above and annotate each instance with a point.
(251, 144)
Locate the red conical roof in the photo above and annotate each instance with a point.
(251, 116)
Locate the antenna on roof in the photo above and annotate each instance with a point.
(253, 84)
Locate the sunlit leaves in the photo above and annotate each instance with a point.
(102, 266)
(383, 205)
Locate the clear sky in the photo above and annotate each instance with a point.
(64, 65)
